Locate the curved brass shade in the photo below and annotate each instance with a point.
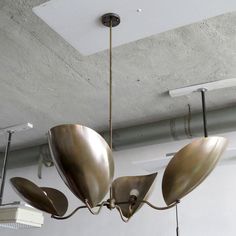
(190, 166)
(122, 187)
(49, 200)
(84, 161)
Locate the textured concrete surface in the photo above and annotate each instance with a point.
(45, 81)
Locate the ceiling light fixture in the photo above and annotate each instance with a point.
(20, 216)
(85, 163)
(15, 215)
(10, 131)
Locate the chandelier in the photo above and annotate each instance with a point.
(85, 163)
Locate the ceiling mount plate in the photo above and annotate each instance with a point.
(110, 18)
(16, 128)
(219, 84)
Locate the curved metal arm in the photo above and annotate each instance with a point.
(160, 208)
(130, 210)
(81, 207)
(121, 214)
(68, 216)
(105, 203)
(99, 205)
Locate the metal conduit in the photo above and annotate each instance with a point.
(26, 157)
(218, 121)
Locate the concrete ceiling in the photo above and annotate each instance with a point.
(45, 81)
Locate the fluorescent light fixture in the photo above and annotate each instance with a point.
(220, 84)
(229, 157)
(17, 128)
(153, 165)
(20, 216)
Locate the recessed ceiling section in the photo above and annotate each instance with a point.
(78, 22)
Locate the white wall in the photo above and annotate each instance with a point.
(210, 210)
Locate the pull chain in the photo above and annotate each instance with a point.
(177, 220)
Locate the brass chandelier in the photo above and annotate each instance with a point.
(85, 163)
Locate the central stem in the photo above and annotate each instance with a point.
(110, 87)
(110, 20)
(110, 94)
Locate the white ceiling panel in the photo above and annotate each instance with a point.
(78, 22)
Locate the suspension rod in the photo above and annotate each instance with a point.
(110, 92)
(4, 167)
(204, 112)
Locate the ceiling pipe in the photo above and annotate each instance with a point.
(219, 121)
(28, 157)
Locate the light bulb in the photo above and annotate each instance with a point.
(134, 192)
